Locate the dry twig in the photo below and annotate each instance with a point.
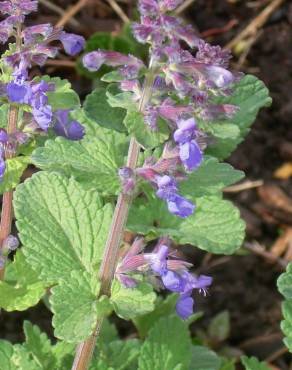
(70, 12)
(256, 248)
(243, 186)
(119, 11)
(184, 6)
(254, 26)
(57, 9)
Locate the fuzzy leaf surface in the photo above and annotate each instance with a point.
(168, 346)
(284, 285)
(14, 169)
(253, 363)
(136, 126)
(210, 178)
(215, 226)
(62, 226)
(204, 359)
(98, 109)
(75, 306)
(250, 95)
(131, 302)
(21, 288)
(93, 161)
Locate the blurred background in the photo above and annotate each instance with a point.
(243, 309)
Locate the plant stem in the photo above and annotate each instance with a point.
(7, 206)
(84, 351)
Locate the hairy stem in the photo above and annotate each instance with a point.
(7, 206)
(84, 351)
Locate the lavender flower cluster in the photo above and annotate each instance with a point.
(189, 75)
(163, 269)
(33, 46)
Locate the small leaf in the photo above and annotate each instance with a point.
(6, 351)
(93, 162)
(131, 302)
(62, 226)
(253, 364)
(38, 345)
(148, 138)
(63, 97)
(122, 100)
(168, 346)
(219, 328)
(284, 286)
(75, 319)
(118, 355)
(97, 108)
(204, 359)
(250, 94)
(215, 225)
(285, 283)
(14, 170)
(22, 288)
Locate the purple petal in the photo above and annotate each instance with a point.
(18, 93)
(3, 136)
(73, 44)
(186, 130)
(72, 130)
(2, 168)
(43, 116)
(180, 206)
(190, 155)
(185, 307)
(172, 281)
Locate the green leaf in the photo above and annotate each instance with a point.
(168, 346)
(118, 355)
(215, 225)
(4, 115)
(75, 319)
(131, 302)
(97, 108)
(63, 97)
(136, 126)
(163, 307)
(62, 226)
(253, 364)
(284, 285)
(38, 345)
(122, 100)
(14, 169)
(204, 359)
(22, 288)
(285, 282)
(210, 178)
(93, 162)
(250, 94)
(219, 328)
(6, 351)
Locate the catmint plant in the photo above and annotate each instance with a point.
(142, 156)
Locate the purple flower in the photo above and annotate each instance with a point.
(18, 92)
(94, 60)
(127, 177)
(2, 167)
(3, 136)
(212, 55)
(191, 155)
(14, 7)
(11, 243)
(73, 44)
(67, 128)
(31, 34)
(158, 259)
(43, 116)
(148, 7)
(185, 306)
(180, 206)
